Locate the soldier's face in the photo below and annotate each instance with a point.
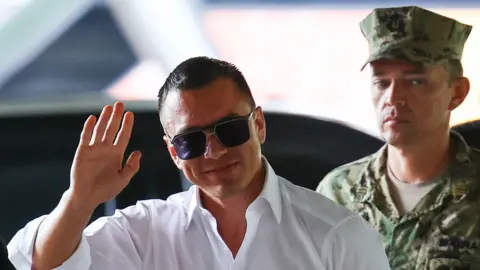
(412, 104)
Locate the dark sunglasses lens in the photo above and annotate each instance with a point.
(233, 133)
(190, 145)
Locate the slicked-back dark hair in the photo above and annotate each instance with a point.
(198, 72)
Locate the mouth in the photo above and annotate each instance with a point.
(393, 119)
(222, 168)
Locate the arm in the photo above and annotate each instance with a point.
(60, 233)
(354, 244)
(322, 187)
(337, 184)
(326, 188)
(97, 175)
(25, 250)
(123, 236)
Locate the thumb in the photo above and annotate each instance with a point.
(131, 166)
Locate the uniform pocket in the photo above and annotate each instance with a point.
(453, 253)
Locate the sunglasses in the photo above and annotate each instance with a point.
(230, 133)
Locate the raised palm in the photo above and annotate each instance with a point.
(97, 173)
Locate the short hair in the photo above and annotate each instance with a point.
(455, 70)
(197, 72)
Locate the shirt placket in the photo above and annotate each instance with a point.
(253, 215)
(221, 251)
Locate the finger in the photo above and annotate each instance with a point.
(99, 130)
(114, 123)
(131, 166)
(125, 132)
(87, 130)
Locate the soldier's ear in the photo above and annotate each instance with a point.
(460, 87)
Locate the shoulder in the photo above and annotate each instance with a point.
(337, 184)
(475, 162)
(356, 244)
(465, 167)
(348, 173)
(314, 208)
(468, 175)
(335, 229)
(475, 155)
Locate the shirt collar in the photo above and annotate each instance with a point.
(461, 173)
(270, 192)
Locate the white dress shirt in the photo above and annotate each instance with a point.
(288, 228)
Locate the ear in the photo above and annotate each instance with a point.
(171, 150)
(460, 87)
(260, 125)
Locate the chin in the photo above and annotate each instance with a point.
(397, 139)
(390, 136)
(227, 190)
(227, 185)
(228, 177)
(393, 142)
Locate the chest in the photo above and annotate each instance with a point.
(446, 237)
(266, 247)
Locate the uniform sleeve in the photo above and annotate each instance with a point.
(354, 244)
(336, 186)
(121, 236)
(324, 187)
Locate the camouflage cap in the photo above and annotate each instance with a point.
(413, 34)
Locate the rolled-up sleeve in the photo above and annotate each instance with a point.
(121, 236)
(20, 249)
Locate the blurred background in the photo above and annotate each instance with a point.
(61, 60)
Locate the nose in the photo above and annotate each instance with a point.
(394, 94)
(215, 149)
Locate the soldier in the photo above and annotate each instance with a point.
(421, 190)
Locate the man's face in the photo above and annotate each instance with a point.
(221, 171)
(413, 104)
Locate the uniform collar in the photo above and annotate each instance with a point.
(461, 171)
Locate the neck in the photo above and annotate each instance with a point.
(421, 162)
(230, 212)
(232, 209)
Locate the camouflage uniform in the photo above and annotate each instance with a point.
(443, 230)
(413, 34)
